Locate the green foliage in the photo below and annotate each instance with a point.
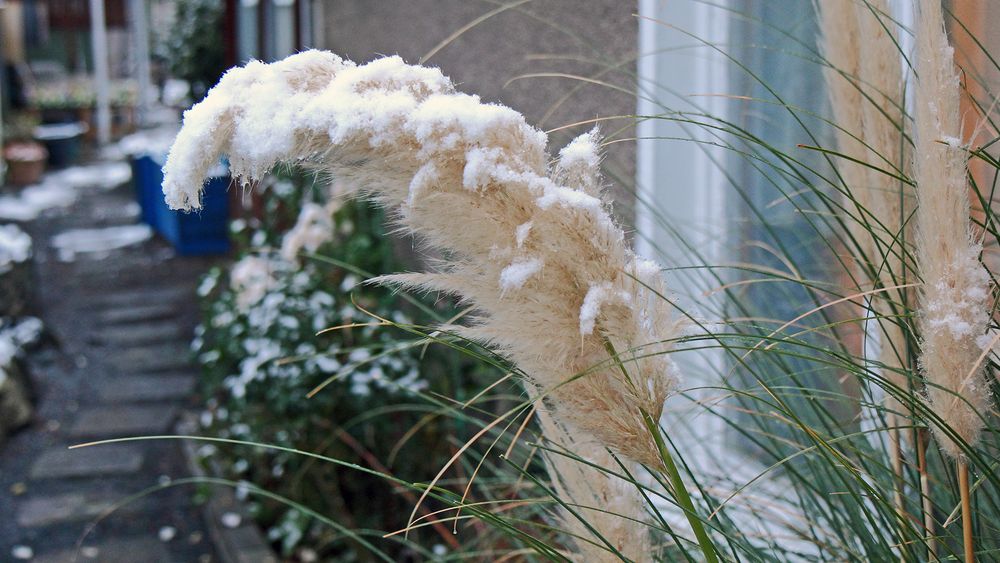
(193, 47)
(19, 126)
(262, 357)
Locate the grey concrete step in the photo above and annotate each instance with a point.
(141, 334)
(152, 358)
(139, 388)
(63, 463)
(132, 550)
(123, 422)
(137, 314)
(38, 511)
(145, 296)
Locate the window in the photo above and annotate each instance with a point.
(247, 32)
(708, 72)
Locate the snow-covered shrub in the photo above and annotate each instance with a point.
(15, 403)
(15, 247)
(193, 46)
(261, 355)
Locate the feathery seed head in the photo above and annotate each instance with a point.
(527, 245)
(955, 295)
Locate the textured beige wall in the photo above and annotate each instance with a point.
(516, 42)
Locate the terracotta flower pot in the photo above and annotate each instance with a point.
(25, 163)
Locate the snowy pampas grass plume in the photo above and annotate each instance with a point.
(533, 248)
(955, 298)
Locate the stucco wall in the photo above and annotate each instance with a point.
(599, 34)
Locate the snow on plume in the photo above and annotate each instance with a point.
(514, 276)
(471, 180)
(579, 163)
(523, 230)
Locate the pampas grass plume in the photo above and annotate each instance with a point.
(955, 297)
(533, 248)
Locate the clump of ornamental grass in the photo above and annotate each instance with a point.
(865, 87)
(532, 247)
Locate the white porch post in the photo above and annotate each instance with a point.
(140, 36)
(99, 48)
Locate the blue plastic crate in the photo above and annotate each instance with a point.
(205, 231)
(147, 177)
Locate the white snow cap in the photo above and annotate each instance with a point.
(15, 246)
(515, 275)
(581, 151)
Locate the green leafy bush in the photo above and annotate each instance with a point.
(193, 47)
(262, 357)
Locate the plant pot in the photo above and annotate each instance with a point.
(203, 232)
(62, 140)
(25, 163)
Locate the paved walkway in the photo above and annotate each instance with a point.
(117, 365)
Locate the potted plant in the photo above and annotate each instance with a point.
(24, 156)
(25, 162)
(192, 50)
(62, 140)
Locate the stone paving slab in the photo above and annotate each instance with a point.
(138, 388)
(48, 495)
(121, 422)
(138, 314)
(152, 358)
(139, 334)
(63, 463)
(39, 511)
(136, 298)
(130, 550)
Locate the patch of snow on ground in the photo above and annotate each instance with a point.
(99, 241)
(14, 338)
(29, 203)
(105, 175)
(153, 142)
(15, 246)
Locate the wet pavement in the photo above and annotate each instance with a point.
(115, 363)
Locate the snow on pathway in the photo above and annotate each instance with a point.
(98, 241)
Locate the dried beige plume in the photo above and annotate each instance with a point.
(892, 200)
(866, 87)
(955, 297)
(841, 46)
(534, 249)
